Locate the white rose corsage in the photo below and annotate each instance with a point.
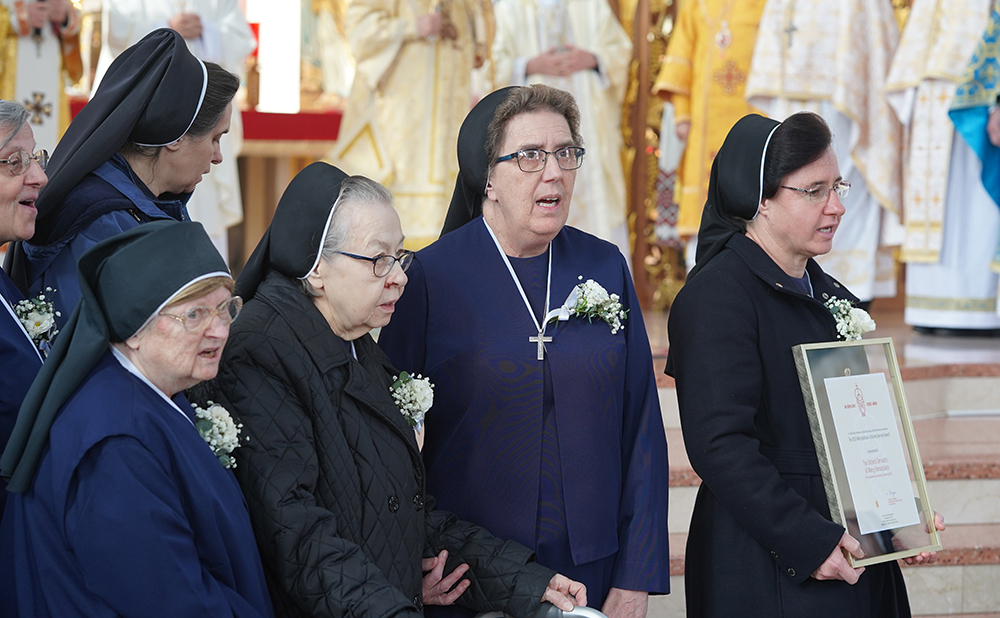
(852, 322)
(38, 316)
(414, 396)
(590, 300)
(216, 427)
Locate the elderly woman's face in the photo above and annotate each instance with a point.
(800, 228)
(174, 358)
(18, 193)
(352, 298)
(534, 206)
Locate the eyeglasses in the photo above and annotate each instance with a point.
(20, 160)
(382, 264)
(820, 194)
(533, 159)
(197, 319)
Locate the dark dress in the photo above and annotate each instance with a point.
(567, 455)
(108, 201)
(334, 479)
(761, 525)
(129, 514)
(19, 363)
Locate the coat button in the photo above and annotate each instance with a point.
(418, 502)
(825, 296)
(393, 503)
(418, 602)
(774, 555)
(791, 572)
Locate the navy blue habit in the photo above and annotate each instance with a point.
(130, 513)
(567, 455)
(19, 362)
(108, 201)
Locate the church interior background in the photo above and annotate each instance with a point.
(298, 83)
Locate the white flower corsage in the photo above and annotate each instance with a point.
(38, 316)
(217, 428)
(590, 300)
(852, 322)
(414, 396)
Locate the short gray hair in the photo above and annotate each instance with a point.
(13, 115)
(355, 192)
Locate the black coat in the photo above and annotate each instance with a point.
(333, 477)
(761, 524)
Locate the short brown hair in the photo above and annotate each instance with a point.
(202, 288)
(526, 99)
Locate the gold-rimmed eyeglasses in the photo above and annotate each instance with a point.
(197, 319)
(821, 193)
(19, 161)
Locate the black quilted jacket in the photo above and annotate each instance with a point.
(334, 480)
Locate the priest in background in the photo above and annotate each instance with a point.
(578, 46)
(215, 31)
(704, 75)
(796, 37)
(546, 425)
(951, 218)
(40, 50)
(411, 90)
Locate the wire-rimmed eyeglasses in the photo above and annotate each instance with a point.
(382, 264)
(821, 193)
(533, 159)
(195, 320)
(20, 160)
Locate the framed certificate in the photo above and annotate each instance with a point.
(867, 451)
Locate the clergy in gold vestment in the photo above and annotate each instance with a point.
(951, 221)
(410, 94)
(832, 57)
(533, 38)
(704, 75)
(39, 49)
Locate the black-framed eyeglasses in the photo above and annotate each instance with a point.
(533, 159)
(20, 160)
(197, 319)
(382, 264)
(821, 193)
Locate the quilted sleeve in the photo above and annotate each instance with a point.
(278, 470)
(503, 575)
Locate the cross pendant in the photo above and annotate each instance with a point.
(541, 340)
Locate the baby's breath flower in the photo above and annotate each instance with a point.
(414, 396)
(38, 316)
(216, 427)
(852, 322)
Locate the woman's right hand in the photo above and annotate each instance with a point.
(565, 593)
(437, 589)
(837, 565)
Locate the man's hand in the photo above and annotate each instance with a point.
(565, 593)
(187, 24)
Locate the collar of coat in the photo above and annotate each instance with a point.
(368, 379)
(824, 286)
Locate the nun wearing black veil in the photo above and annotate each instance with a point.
(761, 541)
(332, 472)
(118, 507)
(133, 154)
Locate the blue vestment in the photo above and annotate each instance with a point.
(19, 362)
(108, 201)
(130, 514)
(490, 442)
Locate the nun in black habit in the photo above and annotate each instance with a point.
(133, 154)
(118, 506)
(761, 541)
(332, 472)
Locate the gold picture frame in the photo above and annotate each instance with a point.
(867, 450)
